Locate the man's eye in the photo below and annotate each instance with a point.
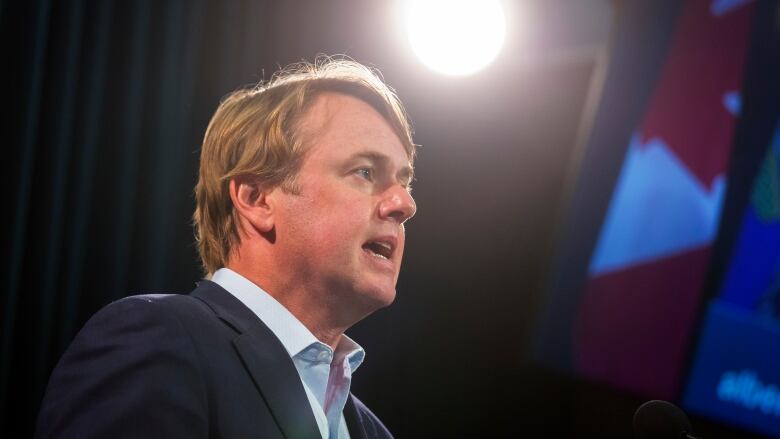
(365, 173)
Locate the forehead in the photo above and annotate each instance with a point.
(347, 123)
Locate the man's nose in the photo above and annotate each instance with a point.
(398, 204)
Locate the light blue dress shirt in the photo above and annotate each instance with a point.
(326, 375)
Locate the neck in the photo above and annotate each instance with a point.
(324, 320)
(316, 317)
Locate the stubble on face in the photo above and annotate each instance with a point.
(326, 228)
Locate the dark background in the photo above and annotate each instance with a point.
(106, 104)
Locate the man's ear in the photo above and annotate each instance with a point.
(251, 202)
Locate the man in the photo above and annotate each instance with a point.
(301, 202)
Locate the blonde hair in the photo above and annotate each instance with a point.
(253, 132)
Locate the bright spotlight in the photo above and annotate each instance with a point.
(455, 37)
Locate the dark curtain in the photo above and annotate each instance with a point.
(106, 104)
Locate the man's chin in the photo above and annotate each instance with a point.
(376, 298)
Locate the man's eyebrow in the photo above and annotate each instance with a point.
(371, 155)
(406, 174)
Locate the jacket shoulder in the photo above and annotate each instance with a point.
(167, 309)
(134, 359)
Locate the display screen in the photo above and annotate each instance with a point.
(736, 369)
(669, 300)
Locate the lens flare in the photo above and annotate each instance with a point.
(455, 37)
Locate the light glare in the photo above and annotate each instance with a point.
(456, 37)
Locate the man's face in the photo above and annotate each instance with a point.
(342, 233)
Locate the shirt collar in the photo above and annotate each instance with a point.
(295, 337)
(349, 349)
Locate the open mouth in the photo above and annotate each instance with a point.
(379, 249)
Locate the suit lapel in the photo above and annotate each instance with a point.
(266, 360)
(354, 420)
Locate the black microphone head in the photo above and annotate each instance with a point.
(661, 420)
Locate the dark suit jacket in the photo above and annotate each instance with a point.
(189, 366)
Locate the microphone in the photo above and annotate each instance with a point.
(658, 419)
